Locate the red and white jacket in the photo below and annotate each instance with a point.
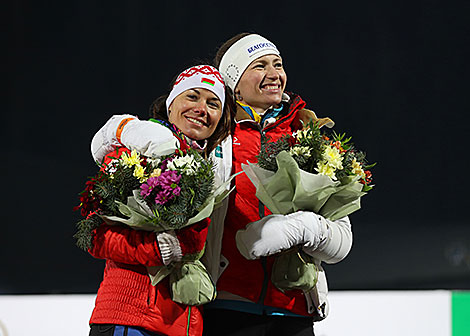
(250, 280)
(126, 295)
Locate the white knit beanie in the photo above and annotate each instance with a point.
(240, 55)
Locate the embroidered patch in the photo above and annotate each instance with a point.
(207, 81)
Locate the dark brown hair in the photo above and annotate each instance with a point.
(225, 126)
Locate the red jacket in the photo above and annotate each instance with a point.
(242, 277)
(126, 295)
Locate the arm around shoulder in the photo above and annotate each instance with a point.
(144, 136)
(105, 140)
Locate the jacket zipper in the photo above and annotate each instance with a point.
(189, 320)
(261, 209)
(264, 288)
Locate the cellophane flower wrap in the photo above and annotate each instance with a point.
(158, 194)
(313, 172)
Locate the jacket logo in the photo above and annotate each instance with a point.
(218, 152)
(236, 141)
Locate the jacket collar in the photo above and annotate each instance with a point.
(294, 102)
(242, 115)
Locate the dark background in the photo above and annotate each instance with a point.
(394, 74)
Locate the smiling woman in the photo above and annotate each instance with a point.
(197, 105)
(196, 112)
(252, 68)
(262, 83)
(193, 114)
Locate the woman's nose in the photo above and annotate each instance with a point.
(272, 72)
(201, 107)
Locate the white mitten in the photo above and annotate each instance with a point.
(275, 233)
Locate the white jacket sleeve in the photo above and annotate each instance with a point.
(104, 141)
(222, 157)
(337, 244)
(144, 136)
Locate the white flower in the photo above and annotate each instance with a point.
(302, 134)
(154, 162)
(300, 151)
(111, 168)
(185, 164)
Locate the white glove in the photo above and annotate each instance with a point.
(170, 248)
(148, 138)
(275, 233)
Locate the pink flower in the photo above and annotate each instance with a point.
(146, 188)
(164, 187)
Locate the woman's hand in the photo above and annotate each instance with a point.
(187, 243)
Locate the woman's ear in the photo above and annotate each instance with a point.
(238, 96)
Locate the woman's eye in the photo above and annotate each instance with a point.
(192, 96)
(213, 105)
(278, 65)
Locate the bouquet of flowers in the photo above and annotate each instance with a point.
(155, 194)
(308, 171)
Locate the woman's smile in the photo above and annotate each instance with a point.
(197, 121)
(270, 87)
(196, 112)
(262, 84)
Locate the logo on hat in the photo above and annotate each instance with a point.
(207, 81)
(261, 46)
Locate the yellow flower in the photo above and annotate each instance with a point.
(323, 168)
(333, 157)
(357, 169)
(156, 172)
(133, 159)
(139, 172)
